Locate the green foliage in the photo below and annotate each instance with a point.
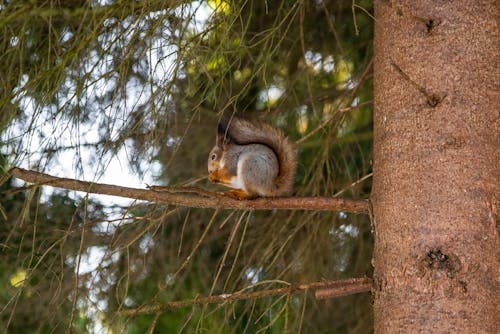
(86, 84)
(40, 241)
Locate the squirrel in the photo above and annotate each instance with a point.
(253, 158)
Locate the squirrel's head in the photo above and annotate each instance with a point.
(214, 164)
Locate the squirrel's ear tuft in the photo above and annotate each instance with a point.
(223, 136)
(222, 127)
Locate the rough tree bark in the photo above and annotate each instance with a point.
(436, 166)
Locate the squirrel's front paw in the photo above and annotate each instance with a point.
(238, 194)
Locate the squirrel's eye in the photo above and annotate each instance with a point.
(214, 156)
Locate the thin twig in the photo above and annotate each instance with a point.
(329, 20)
(355, 183)
(433, 99)
(352, 96)
(361, 80)
(353, 6)
(193, 200)
(328, 120)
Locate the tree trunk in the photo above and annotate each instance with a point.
(436, 166)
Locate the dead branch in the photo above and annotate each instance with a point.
(336, 288)
(216, 201)
(345, 290)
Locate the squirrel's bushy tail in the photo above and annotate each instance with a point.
(243, 132)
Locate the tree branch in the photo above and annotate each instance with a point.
(195, 200)
(336, 288)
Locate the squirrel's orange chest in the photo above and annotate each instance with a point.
(221, 176)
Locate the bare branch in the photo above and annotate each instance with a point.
(323, 289)
(195, 200)
(344, 290)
